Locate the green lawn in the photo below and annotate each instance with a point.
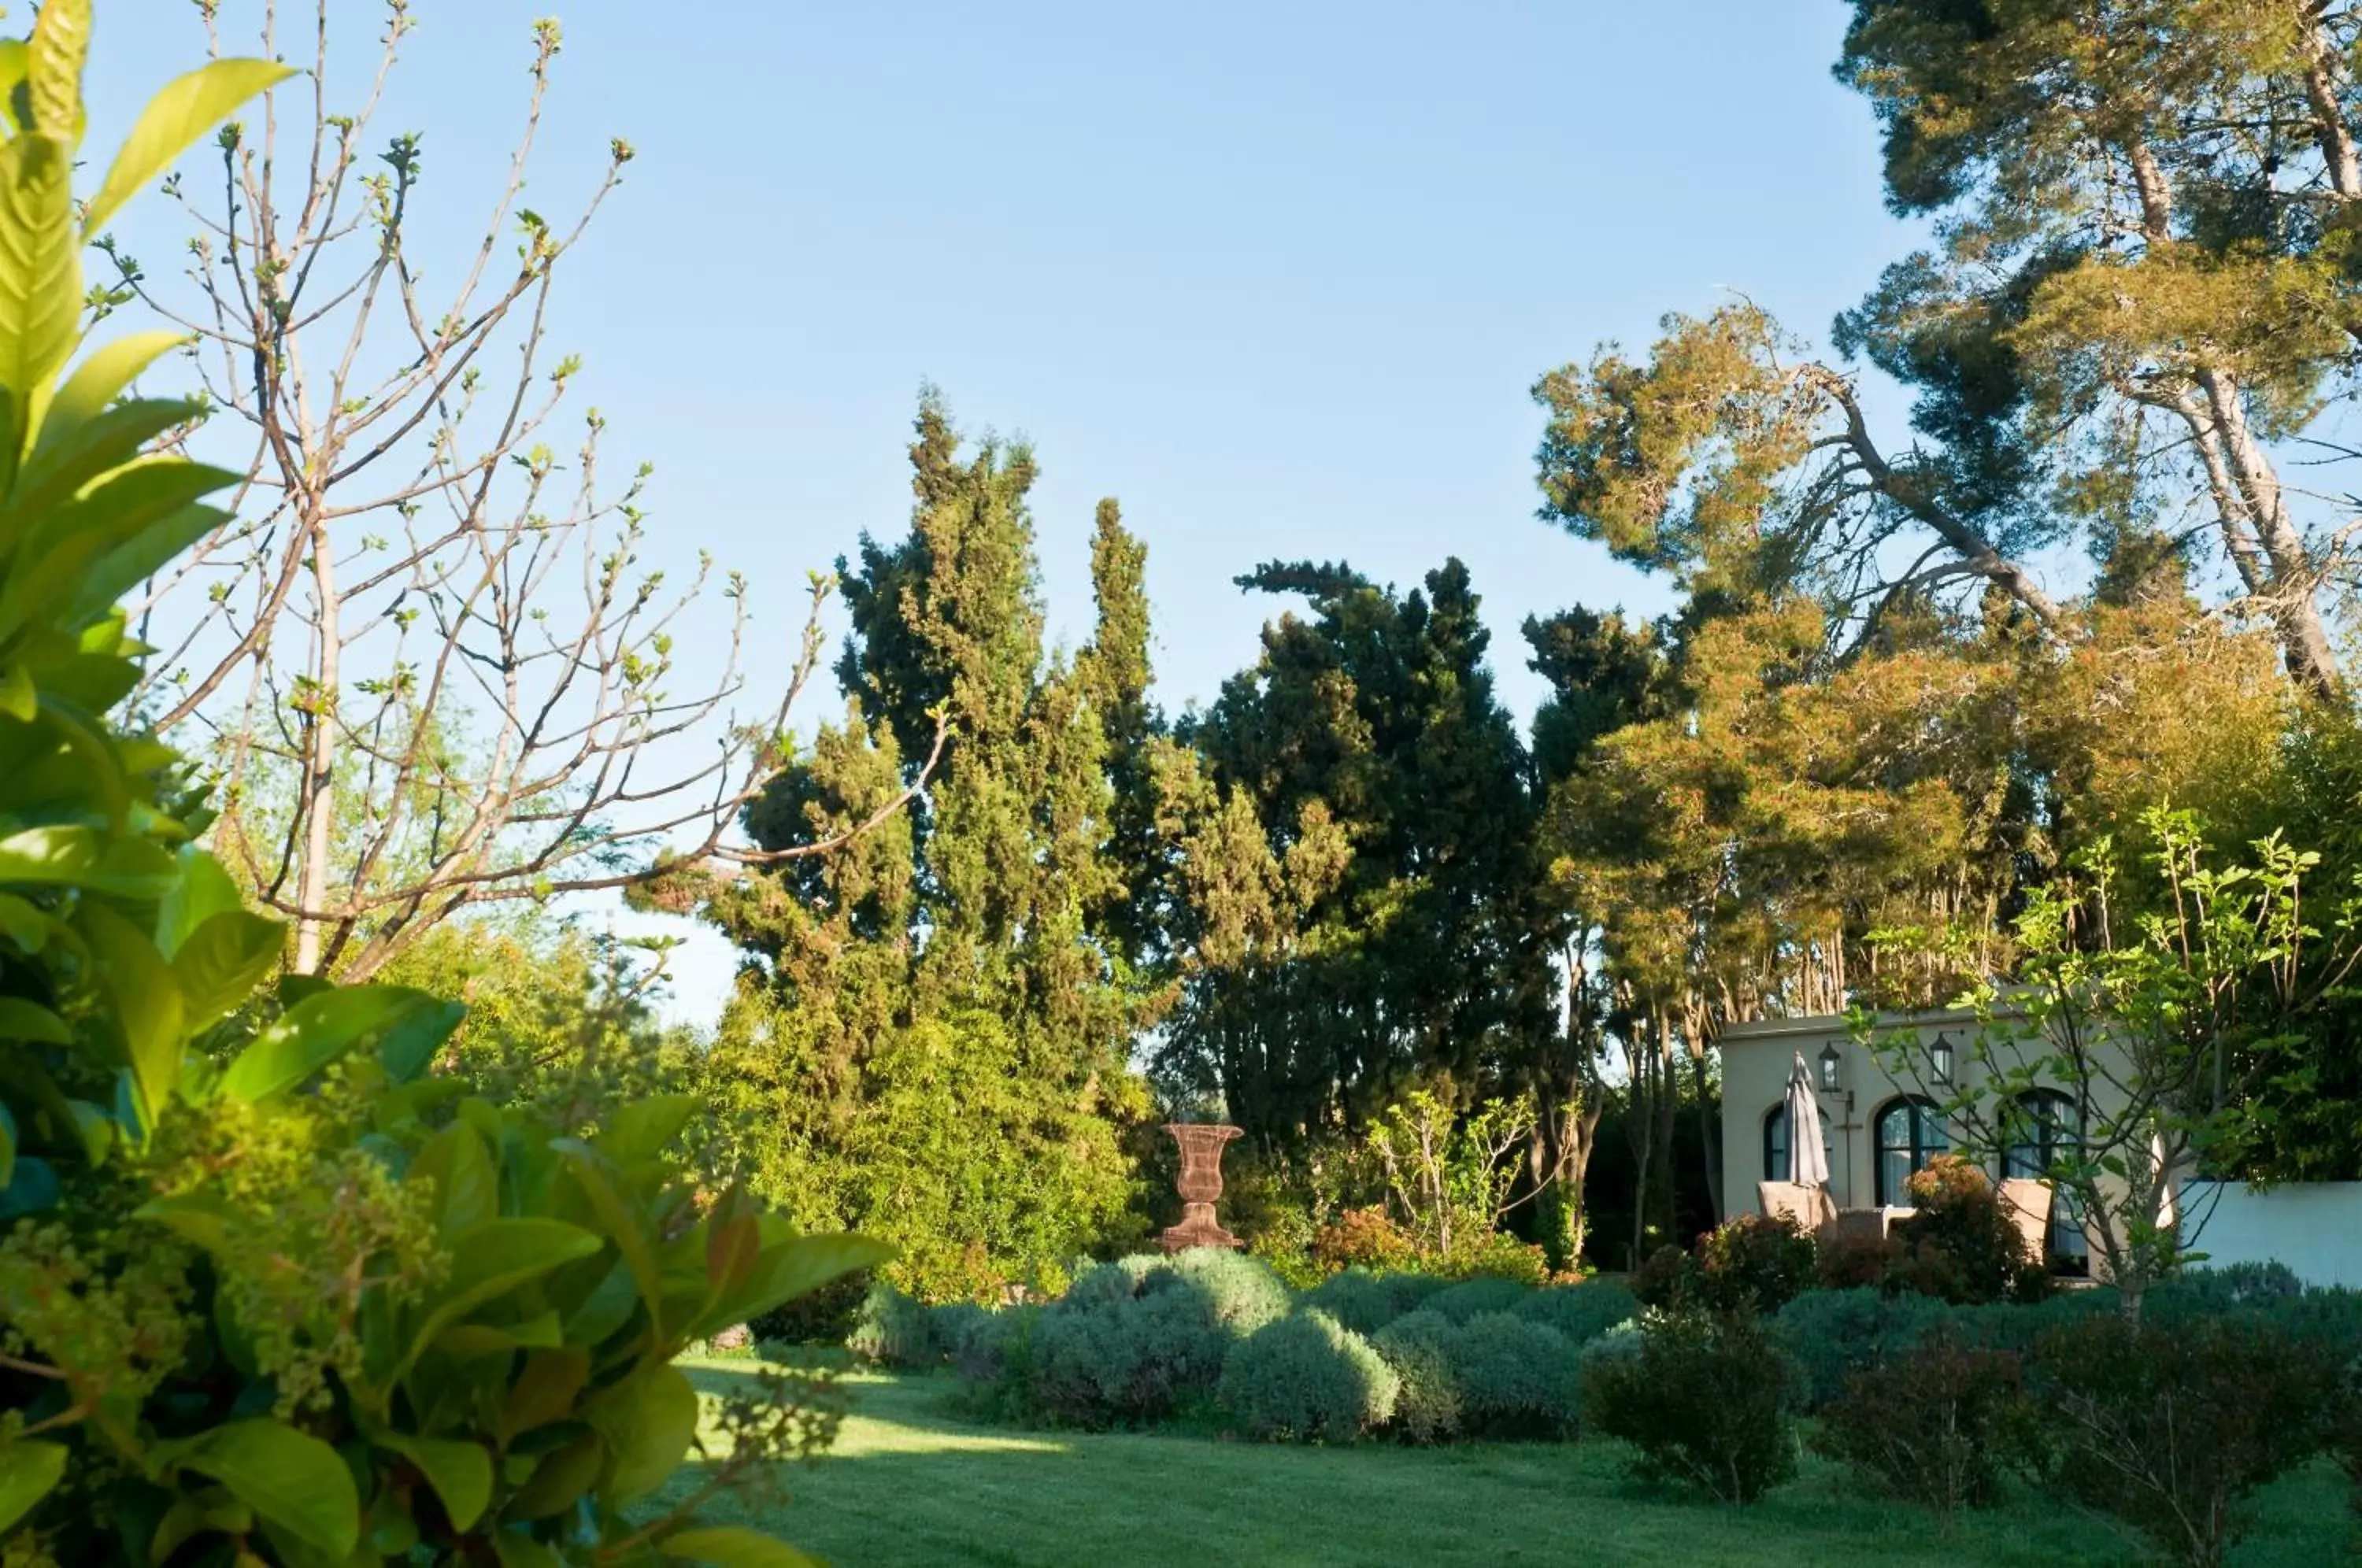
(909, 1484)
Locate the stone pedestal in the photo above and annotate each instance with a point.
(1200, 1186)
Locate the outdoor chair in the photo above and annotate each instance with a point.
(1809, 1206)
(2028, 1201)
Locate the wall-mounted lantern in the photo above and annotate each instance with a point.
(1939, 1059)
(1831, 1063)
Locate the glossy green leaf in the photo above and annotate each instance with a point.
(198, 1219)
(410, 1042)
(639, 1129)
(56, 52)
(202, 890)
(147, 1002)
(17, 699)
(316, 1032)
(67, 460)
(97, 382)
(785, 1269)
(28, 1470)
(560, 1479)
(186, 109)
(649, 1419)
(14, 101)
(223, 960)
(516, 1550)
(730, 1546)
(493, 1258)
(22, 1020)
(32, 1187)
(543, 1332)
(291, 1479)
(461, 1473)
(624, 1223)
(146, 553)
(40, 263)
(544, 1391)
(467, 1188)
(84, 858)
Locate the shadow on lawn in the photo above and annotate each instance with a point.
(912, 1482)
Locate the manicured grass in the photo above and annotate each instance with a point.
(909, 1484)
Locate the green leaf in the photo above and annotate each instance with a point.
(198, 1219)
(461, 1473)
(467, 1188)
(316, 1032)
(291, 1479)
(98, 380)
(649, 1421)
(41, 264)
(147, 1001)
(786, 1268)
(732, 1546)
(411, 1042)
(22, 1020)
(197, 896)
(222, 963)
(640, 1129)
(56, 52)
(82, 857)
(488, 1260)
(516, 1550)
(186, 109)
(543, 1332)
(626, 1225)
(17, 699)
(27, 1471)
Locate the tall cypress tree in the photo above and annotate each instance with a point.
(932, 1044)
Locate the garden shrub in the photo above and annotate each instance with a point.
(953, 1324)
(1359, 1301)
(1705, 1401)
(826, 1317)
(1960, 1244)
(1932, 1425)
(1829, 1335)
(1420, 1347)
(1494, 1254)
(1518, 1378)
(1853, 1263)
(1133, 1340)
(2233, 1285)
(1472, 1298)
(1667, 1280)
(894, 1330)
(274, 1294)
(1756, 1261)
(1364, 1238)
(1580, 1312)
(1306, 1379)
(2171, 1428)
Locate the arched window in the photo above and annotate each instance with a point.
(1775, 1143)
(1910, 1133)
(2047, 1126)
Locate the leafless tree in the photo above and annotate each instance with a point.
(434, 670)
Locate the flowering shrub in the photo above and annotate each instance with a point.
(1364, 1238)
(1961, 1243)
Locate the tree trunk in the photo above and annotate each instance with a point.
(317, 800)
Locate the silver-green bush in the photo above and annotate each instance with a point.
(1307, 1379)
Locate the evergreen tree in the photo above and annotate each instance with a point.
(1357, 838)
(934, 1046)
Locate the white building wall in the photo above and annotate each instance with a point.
(2315, 1228)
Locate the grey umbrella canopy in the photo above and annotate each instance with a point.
(1809, 1159)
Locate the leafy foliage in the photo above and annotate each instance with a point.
(271, 1291)
(1705, 1401)
(2171, 1430)
(1305, 1379)
(1933, 1426)
(935, 1048)
(1960, 1242)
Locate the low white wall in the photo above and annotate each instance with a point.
(2315, 1228)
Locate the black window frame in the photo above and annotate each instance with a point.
(1925, 1116)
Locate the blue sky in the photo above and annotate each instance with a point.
(1277, 276)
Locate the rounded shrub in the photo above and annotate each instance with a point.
(1518, 1378)
(1135, 1340)
(1705, 1401)
(1961, 1243)
(1356, 1299)
(1473, 1297)
(1832, 1334)
(1580, 1312)
(1307, 1378)
(893, 1330)
(1420, 1347)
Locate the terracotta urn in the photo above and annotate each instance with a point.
(1200, 1186)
